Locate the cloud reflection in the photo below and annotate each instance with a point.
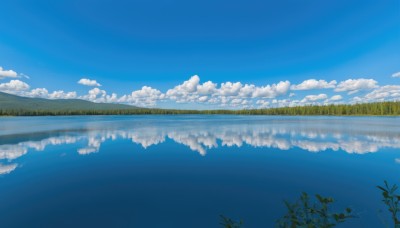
(5, 169)
(202, 136)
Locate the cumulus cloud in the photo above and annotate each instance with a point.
(14, 86)
(336, 98)
(186, 92)
(99, 96)
(388, 92)
(60, 94)
(272, 91)
(88, 82)
(396, 75)
(146, 96)
(314, 84)
(230, 89)
(235, 95)
(207, 88)
(95, 95)
(186, 87)
(262, 103)
(7, 73)
(44, 93)
(38, 92)
(311, 98)
(355, 85)
(227, 94)
(203, 99)
(22, 89)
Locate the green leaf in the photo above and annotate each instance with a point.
(381, 188)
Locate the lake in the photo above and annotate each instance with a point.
(186, 170)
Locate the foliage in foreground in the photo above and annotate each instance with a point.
(391, 200)
(304, 213)
(229, 223)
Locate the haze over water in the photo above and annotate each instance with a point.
(184, 171)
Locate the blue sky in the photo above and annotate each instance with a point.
(126, 45)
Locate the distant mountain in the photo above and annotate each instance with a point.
(13, 102)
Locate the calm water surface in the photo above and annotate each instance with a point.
(184, 171)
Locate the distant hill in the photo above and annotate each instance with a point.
(13, 102)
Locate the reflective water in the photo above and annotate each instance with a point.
(184, 171)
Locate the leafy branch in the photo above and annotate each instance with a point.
(391, 200)
(229, 223)
(304, 213)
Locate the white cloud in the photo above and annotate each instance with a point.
(14, 86)
(44, 93)
(236, 101)
(186, 87)
(383, 93)
(146, 96)
(203, 99)
(236, 95)
(25, 76)
(95, 95)
(38, 92)
(230, 89)
(60, 94)
(184, 91)
(7, 73)
(396, 75)
(314, 84)
(388, 91)
(207, 88)
(272, 91)
(311, 98)
(247, 90)
(336, 98)
(355, 85)
(192, 91)
(262, 103)
(88, 82)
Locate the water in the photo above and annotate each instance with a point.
(185, 171)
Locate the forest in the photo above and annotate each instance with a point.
(390, 108)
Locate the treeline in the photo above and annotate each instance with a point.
(376, 109)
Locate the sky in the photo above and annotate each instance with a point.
(207, 54)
